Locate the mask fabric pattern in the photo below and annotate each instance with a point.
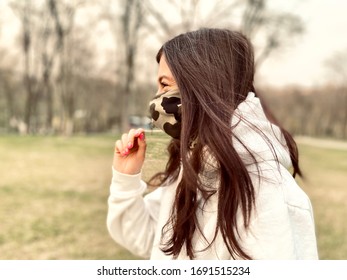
(165, 110)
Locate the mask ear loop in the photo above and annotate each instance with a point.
(192, 144)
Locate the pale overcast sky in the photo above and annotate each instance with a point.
(326, 33)
(302, 62)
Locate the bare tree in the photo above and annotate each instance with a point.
(63, 14)
(131, 22)
(187, 12)
(337, 68)
(8, 91)
(48, 57)
(125, 28)
(24, 12)
(252, 17)
(43, 36)
(279, 31)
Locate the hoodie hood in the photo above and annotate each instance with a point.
(255, 137)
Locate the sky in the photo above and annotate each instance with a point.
(302, 62)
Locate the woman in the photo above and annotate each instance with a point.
(226, 192)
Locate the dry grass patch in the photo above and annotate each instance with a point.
(326, 171)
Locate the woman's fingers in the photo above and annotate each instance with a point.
(130, 152)
(118, 147)
(123, 140)
(131, 142)
(141, 143)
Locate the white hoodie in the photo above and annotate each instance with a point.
(282, 224)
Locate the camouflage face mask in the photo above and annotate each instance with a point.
(165, 109)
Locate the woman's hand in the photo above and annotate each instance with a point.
(130, 152)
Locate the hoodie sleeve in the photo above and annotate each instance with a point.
(131, 218)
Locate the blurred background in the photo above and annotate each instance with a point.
(75, 74)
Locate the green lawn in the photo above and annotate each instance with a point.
(53, 196)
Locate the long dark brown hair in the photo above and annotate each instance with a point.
(214, 70)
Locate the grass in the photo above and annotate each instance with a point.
(326, 172)
(53, 196)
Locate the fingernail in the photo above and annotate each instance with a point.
(137, 133)
(142, 136)
(126, 152)
(130, 145)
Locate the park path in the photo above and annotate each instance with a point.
(322, 143)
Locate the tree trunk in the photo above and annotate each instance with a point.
(27, 82)
(131, 23)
